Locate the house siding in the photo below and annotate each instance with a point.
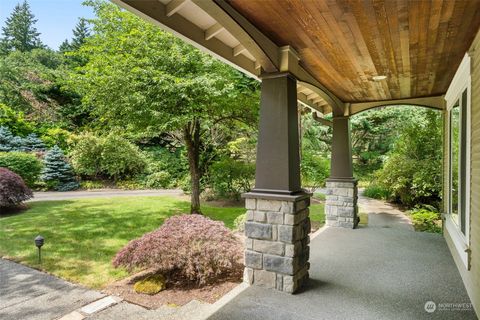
(471, 278)
(475, 173)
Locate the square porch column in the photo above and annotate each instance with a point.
(342, 193)
(278, 223)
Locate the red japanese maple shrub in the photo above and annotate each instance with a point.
(187, 247)
(13, 190)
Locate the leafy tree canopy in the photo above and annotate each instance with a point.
(148, 83)
(138, 73)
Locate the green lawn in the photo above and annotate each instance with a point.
(317, 213)
(82, 236)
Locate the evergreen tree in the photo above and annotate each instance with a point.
(9, 142)
(80, 33)
(19, 32)
(65, 46)
(57, 172)
(17, 143)
(33, 143)
(6, 138)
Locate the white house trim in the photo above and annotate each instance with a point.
(460, 82)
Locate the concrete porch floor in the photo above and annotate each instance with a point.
(383, 271)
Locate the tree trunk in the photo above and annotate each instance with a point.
(191, 136)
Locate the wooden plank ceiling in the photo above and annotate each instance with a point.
(418, 45)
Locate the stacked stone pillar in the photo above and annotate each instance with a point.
(342, 193)
(276, 248)
(277, 226)
(341, 204)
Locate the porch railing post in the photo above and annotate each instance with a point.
(342, 193)
(278, 223)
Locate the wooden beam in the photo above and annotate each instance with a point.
(306, 80)
(155, 12)
(302, 89)
(321, 120)
(303, 99)
(213, 31)
(317, 100)
(238, 50)
(258, 45)
(173, 6)
(437, 102)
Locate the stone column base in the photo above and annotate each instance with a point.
(277, 228)
(341, 204)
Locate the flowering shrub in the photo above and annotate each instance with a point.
(190, 247)
(13, 190)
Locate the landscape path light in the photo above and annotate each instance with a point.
(39, 241)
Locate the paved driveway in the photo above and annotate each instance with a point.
(103, 193)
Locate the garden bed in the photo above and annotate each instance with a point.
(174, 295)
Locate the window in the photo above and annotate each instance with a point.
(457, 176)
(458, 193)
(454, 161)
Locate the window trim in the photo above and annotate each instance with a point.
(460, 83)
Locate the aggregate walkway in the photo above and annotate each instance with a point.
(26, 293)
(382, 271)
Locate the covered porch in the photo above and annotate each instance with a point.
(382, 271)
(341, 58)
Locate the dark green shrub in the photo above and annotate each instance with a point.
(86, 155)
(24, 164)
(376, 192)
(230, 178)
(426, 220)
(158, 180)
(111, 156)
(57, 172)
(160, 159)
(121, 158)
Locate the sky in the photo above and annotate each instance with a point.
(56, 18)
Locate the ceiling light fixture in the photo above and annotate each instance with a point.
(379, 78)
